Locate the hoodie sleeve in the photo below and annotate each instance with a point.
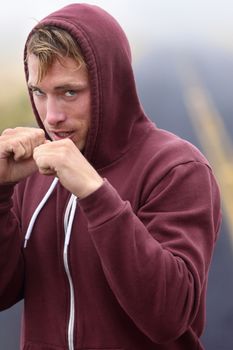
(11, 259)
(156, 260)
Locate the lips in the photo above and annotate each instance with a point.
(59, 135)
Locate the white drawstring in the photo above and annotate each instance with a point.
(69, 218)
(37, 211)
(68, 222)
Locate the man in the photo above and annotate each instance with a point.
(108, 223)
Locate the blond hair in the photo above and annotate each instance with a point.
(50, 43)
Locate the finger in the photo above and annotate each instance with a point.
(47, 171)
(38, 138)
(25, 141)
(12, 149)
(32, 139)
(44, 161)
(8, 131)
(19, 151)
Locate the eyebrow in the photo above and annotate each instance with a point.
(31, 86)
(71, 86)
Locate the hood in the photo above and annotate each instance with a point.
(117, 115)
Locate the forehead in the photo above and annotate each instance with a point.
(65, 68)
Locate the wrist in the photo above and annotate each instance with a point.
(91, 188)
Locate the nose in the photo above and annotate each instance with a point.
(54, 112)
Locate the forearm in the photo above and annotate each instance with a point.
(156, 262)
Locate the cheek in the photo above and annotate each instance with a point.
(88, 112)
(40, 107)
(84, 115)
(86, 124)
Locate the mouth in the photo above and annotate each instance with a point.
(60, 135)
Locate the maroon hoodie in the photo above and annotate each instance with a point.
(133, 273)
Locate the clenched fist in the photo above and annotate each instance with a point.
(16, 153)
(25, 150)
(64, 160)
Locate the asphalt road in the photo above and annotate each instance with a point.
(163, 84)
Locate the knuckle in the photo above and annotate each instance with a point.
(66, 146)
(7, 131)
(40, 132)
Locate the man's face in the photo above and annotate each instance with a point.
(62, 99)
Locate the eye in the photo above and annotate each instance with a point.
(37, 92)
(70, 93)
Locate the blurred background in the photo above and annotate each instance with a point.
(183, 63)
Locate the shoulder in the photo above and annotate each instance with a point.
(177, 170)
(171, 150)
(162, 151)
